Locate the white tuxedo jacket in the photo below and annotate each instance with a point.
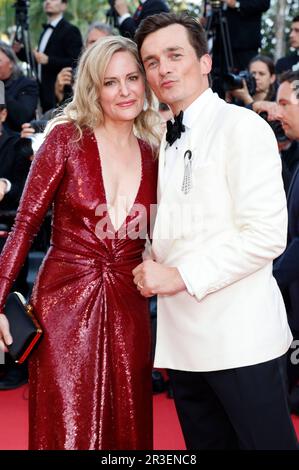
(224, 234)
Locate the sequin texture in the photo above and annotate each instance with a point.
(90, 377)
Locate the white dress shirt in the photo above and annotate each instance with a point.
(178, 148)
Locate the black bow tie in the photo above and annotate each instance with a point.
(48, 25)
(175, 129)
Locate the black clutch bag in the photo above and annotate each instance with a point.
(24, 327)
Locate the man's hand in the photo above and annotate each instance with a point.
(242, 94)
(65, 77)
(3, 187)
(269, 107)
(40, 57)
(152, 278)
(121, 7)
(27, 131)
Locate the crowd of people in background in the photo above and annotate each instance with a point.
(29, 103)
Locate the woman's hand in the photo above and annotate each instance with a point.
(5, 336)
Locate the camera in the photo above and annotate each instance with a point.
(276, 128)
(38, 125)
(215, 4)
(21, 7)
(235, 81)
(22, 4)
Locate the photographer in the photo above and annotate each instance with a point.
(262, 83)
(262, 70)
(21, 92)
(59, 46)
(128, 24)
(14, 167)
(244, 25)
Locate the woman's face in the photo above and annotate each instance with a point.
(262, 76)
(6, 66)
(123, 92)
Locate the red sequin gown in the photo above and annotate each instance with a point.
(90, 377)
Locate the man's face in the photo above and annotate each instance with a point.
(288, 100)
(54, 7)
(294, 35)
(6, 66)
(94, 35)
(172, 67)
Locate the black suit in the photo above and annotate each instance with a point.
(244, 26)
(231, 412)
(21, 96)
(14, 166)
(290, 62)
(63, 49)
(150, 7)
(286, 267)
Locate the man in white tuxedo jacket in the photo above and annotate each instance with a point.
(221, 220)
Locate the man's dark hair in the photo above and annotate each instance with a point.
(195, 31)
(295, 19)
(289, 77)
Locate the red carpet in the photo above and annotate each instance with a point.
(14, 425)
(13, 419)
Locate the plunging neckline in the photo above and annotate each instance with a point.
(104, 187)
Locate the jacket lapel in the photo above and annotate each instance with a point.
(169, 197)
(169, 192)
(55, 34)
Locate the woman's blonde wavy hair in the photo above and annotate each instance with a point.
(85, 111)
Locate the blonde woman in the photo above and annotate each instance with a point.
(90, 377)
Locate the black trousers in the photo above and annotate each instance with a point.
(242, 408)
